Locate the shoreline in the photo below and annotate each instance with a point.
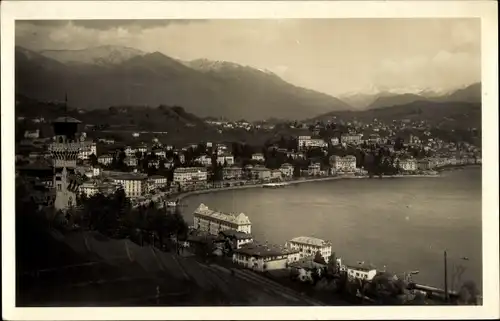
(185, 195)
(438, 173)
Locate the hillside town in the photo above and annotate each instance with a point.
(68, 168)
(335, 149)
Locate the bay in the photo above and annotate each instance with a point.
(404, 224)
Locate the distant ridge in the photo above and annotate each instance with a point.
(470, 93)
(457, 115)
(101, 55)
(108, 76)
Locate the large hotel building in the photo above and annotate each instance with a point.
(309, 246)
(214, 222)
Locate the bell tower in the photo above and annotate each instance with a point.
(64, 150)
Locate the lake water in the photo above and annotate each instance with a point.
(402, 223)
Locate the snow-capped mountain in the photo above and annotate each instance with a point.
(206, 65)
(154, 79)
(211, 65)
(375, 96)
(102, 55)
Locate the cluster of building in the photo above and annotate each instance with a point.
(71, 151)
(242, 124)
(218, 228)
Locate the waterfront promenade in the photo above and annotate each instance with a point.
(184, 195)
(164, 196)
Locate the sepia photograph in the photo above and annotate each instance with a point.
(249, 162)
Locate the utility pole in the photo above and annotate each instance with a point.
(445, 277)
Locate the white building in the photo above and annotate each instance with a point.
(343, 164)
(134, 184)
(90, 188)
(160, 153)
(296, 155)
(238, 239)
(408, 164)
(287, 170)
(131, 161)
(309, 246)
(225, 158)
(361, 272)
(156, 181)
(204, 160)
(232, 172)
(214, 222)
(314, 169)
(129, 151)
(276, 174)
(105, 159)
(87, 149)
(424, 164)
(261, 173)
(142, 148)
(351, 138)
(190, 175)
(263, 258)
(32, 134)
(154, 163)
(306, 142)
(88, 171)
(107, 141)
(258, 157)
(334, 141)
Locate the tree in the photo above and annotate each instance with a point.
(296, 171)
(398, 144)
(468, 293)
(93, 159)
(318, 258)
(332, 264)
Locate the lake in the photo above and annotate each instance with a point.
(404, 224)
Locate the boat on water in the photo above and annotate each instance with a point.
(274, 185)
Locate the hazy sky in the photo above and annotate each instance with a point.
(334, 56)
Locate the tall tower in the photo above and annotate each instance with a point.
(64, 152)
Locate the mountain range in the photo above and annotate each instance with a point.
(471, 94)
(106, 76)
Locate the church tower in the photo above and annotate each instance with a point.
(64, 150)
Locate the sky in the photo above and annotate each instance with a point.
(334, 56)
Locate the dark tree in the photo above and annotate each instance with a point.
(318, 258)
(93, 159)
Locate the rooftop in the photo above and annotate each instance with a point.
(307, 263)
(261, 250)
(128, 176)
(310, 241)
(157, 177)
(236, 234)
(240, 219)
(190, 169)
(361, 267)
(66, 119)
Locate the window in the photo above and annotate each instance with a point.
(59, 187)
